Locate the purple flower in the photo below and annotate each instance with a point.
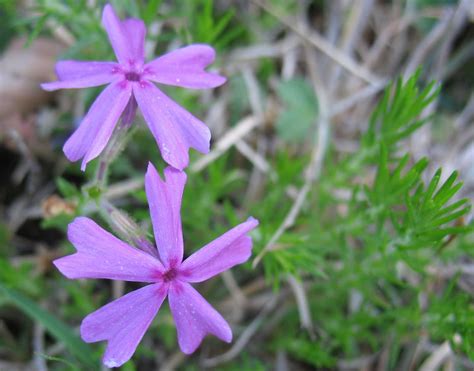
(124, 321)
(174, 129)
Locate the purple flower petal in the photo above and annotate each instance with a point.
(95, 130)
(185, 67)
(102, 255)
(194, 317)
(164, 199)
(232, 248)
(123, 322)
(174, 129)
(75, 74)
(135, 30)
(125, 37)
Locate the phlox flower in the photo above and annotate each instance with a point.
(174, 129)
(124, 321)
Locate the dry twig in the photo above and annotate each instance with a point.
(313, 170)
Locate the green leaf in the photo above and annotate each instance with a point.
(300, 109)
(60, 221)
(398, 114)
(150, 11)
(66, 188)
(70, 365)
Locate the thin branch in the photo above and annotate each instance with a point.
(437, 358)
(315, 166)
(303, 306)
(429, 42)
(357, 23)
(255, 158)
(38, 346)
(244, 338)
(318, 41)
(242, 128)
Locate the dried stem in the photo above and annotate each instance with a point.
(313, 170)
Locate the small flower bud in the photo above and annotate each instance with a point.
(128, 229)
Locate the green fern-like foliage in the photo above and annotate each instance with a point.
(366, 256)
(421, 215)
(399, 113)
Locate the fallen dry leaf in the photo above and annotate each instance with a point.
(22, 69)
(55, 205)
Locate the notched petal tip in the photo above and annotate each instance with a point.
(255, 222)
(46, 86)
(171, 171)
(123, 323)
(219, 80)
(207, 147)
(151, 169)
(108, 12)
(204, 50)
(76, 225)
(190, 350)
(111, 363)
(226, 335)
(179, 165)
(232, 248)
(152, 175)
(62, 266)
(175, 130)
(195, 318)
(96, 128)
(164, 200)
(102, 255)
(51, 86)
(86, 335)
(84, 165)
(70, 152)
(185, 67)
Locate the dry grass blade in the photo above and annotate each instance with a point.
(245, 337)
(315, 39)
(242, 128)
(303, 305)
(313, 170)
(437, 358)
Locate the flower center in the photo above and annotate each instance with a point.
(170, 275)
(132, 76)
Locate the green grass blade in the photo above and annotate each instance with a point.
(56, 327)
